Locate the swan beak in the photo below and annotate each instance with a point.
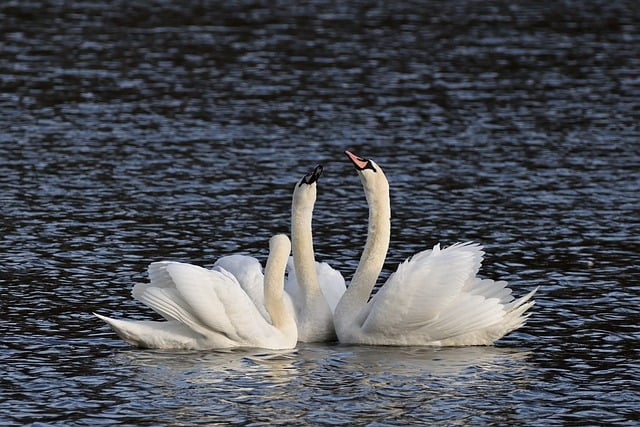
(312, 176)
(359, 162)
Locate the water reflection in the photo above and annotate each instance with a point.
(341, 380)
(376, 360)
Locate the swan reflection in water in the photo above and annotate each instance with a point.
(316, 383)
(311, 358)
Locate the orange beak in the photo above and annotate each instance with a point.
(358, 162)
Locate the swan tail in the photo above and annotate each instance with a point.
(152, 334)
(513, 319)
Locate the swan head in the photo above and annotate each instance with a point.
(312, 176)
(373, 179)
(281, 246)
(304, 195)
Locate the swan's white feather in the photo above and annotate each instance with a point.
(248, 272)
(433, 298)
(208, 309)
(158, 278)
(291, 284)
(331, 282)
(158, 275)
(170, 305)
(514, 317)
(423, 287)
(218, 302)
(166, 334)
(490, 289)
(315, 318)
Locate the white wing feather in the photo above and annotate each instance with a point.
(248, 272)
(331, 283)
(160, 294)
(422, 287)
(218, 302)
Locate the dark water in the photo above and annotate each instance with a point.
(138, 131)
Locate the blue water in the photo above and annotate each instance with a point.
(143, 131)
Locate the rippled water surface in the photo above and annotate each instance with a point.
(139, 131)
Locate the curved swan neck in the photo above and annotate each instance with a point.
(376, 190)
(279, 249)
(304, 197)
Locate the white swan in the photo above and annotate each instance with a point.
(208, 309)
(312, 289)
(434, 297)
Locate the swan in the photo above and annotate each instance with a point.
(433, 298)
(209, 309)
(312, 289)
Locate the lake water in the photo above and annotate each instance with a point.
(138, 131)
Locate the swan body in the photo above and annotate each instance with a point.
(433, 298)
(209, 309)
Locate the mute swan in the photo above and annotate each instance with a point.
(433, 298)
(312, 288)
(208, 309)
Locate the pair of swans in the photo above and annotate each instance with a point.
(433, 298)
(234, 304)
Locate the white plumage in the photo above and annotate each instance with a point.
(209, 309)
(433, 298)
(225, 307)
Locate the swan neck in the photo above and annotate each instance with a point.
(374, 252)
(274, 282)
(302, 245)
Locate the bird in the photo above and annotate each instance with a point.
(312, 289)
(434, 298)
(208, 309)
